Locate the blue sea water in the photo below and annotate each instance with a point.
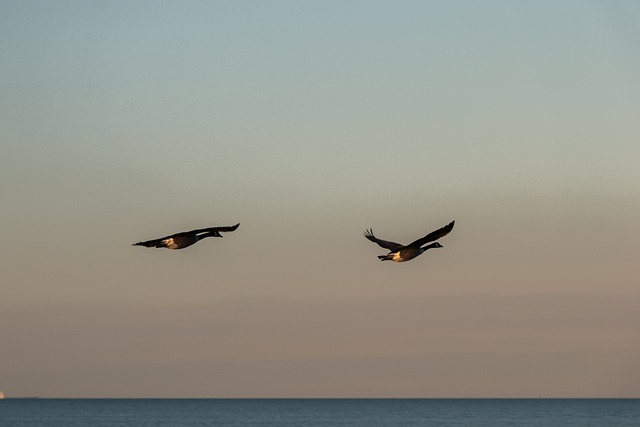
(319, 412)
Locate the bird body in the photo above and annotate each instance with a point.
(407, 254)
(403, 253)
(186, 238)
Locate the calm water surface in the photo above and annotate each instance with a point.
(319, 412)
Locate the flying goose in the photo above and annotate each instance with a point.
(186, 238)
(401, 253)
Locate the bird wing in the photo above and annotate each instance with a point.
(434, 235)
(392, 246)
(211, 229)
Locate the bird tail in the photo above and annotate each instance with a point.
(385, 257)
(152, 244)
(147, 244)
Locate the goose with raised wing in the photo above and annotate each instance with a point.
(402, 253)
(186, 238)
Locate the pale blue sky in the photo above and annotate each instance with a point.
(308, 122)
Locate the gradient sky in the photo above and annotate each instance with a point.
(308, 122)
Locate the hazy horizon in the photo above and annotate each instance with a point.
(308, 123)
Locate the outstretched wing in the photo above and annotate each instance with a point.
(212, 229)
(392, 246)
(434, 235)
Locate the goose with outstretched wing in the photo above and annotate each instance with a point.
(186, 238)
(402, 253)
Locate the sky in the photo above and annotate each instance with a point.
(307, 123)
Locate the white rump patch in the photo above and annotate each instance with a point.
(170, 243)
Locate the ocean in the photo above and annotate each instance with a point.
(319, 412)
